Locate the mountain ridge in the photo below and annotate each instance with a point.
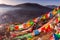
(51, 6)
(27, 11)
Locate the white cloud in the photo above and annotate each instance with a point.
(8, 2)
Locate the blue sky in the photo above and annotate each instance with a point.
(42, 2)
